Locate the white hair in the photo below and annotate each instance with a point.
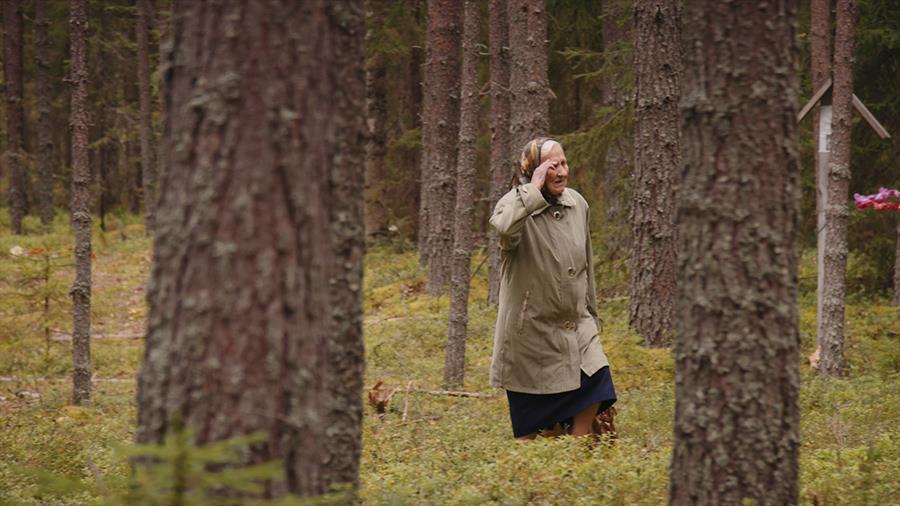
(547, 147)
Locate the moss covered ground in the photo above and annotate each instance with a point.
(427, 448)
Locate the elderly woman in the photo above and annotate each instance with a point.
(547, 354)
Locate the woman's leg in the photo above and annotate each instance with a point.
(581, 424)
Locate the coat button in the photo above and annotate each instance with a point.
(571, 271)
(569, 325)
(557, 215)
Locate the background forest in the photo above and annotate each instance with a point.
(420, 445)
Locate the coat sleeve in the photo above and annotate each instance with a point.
(591, 301)
(511, 212)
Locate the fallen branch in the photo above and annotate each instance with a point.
(13, 379)
(126, 335)
(454, 393)
(398, 318)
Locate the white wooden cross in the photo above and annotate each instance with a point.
(822, 156)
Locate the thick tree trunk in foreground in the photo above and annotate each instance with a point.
(736, 341)
(455, 360)
(44, 120)
(502, 155)
(148, 164)
(820, 63)
(837, 209)
(255, 295)
(81, 209)
(15, 113)
(657, 162)
(441, 133)
(528, 80)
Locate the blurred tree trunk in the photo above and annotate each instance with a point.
(529, 85)
(255, 294)
(44, 110)
(617, 162)
(657, 162)
(376, 149)
(81, 208)
(837, 209)
(820, 63)
(148, 164)
(414, 109)
(163, 20)
(440, 135)
(15, 114)
(737, 337)
(501, 150)
(455, 360)
(103, 161)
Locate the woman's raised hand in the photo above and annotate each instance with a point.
(540, 174)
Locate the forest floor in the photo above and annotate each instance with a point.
(428, 447)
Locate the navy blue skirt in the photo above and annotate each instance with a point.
(533, 412)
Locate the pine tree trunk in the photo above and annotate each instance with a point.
(15, 114)
(837, 209)
(501, 150)
(255, 294)
(165, 79)
(415, 111)
(820, 42)
(148, 164)
(441, 133)
(376, 149)
(820, 63)
(81, 208)
(528, 81)
(736, 342)
(617, 161)
(657, 162)
(454, 365)
(44, 109)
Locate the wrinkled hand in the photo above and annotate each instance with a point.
(540, 174)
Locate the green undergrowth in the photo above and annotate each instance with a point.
(428, 447)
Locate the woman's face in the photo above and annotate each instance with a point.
(558, 175)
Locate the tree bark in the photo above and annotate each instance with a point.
(415, 111)
(255, 294)
(820, 42)
(148, 164)
(501, 148)
(81, 208)
(820, 63)
(15, 115)
(376, 211)
(837, 209)
(165, 77)
(44, 109)
(737, 337)
(617, 162)
(441, 133)
(528, 81)
(455, 360)
(657, 161)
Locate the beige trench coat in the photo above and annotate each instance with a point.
(547, 323)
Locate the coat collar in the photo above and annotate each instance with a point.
(565, 200)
